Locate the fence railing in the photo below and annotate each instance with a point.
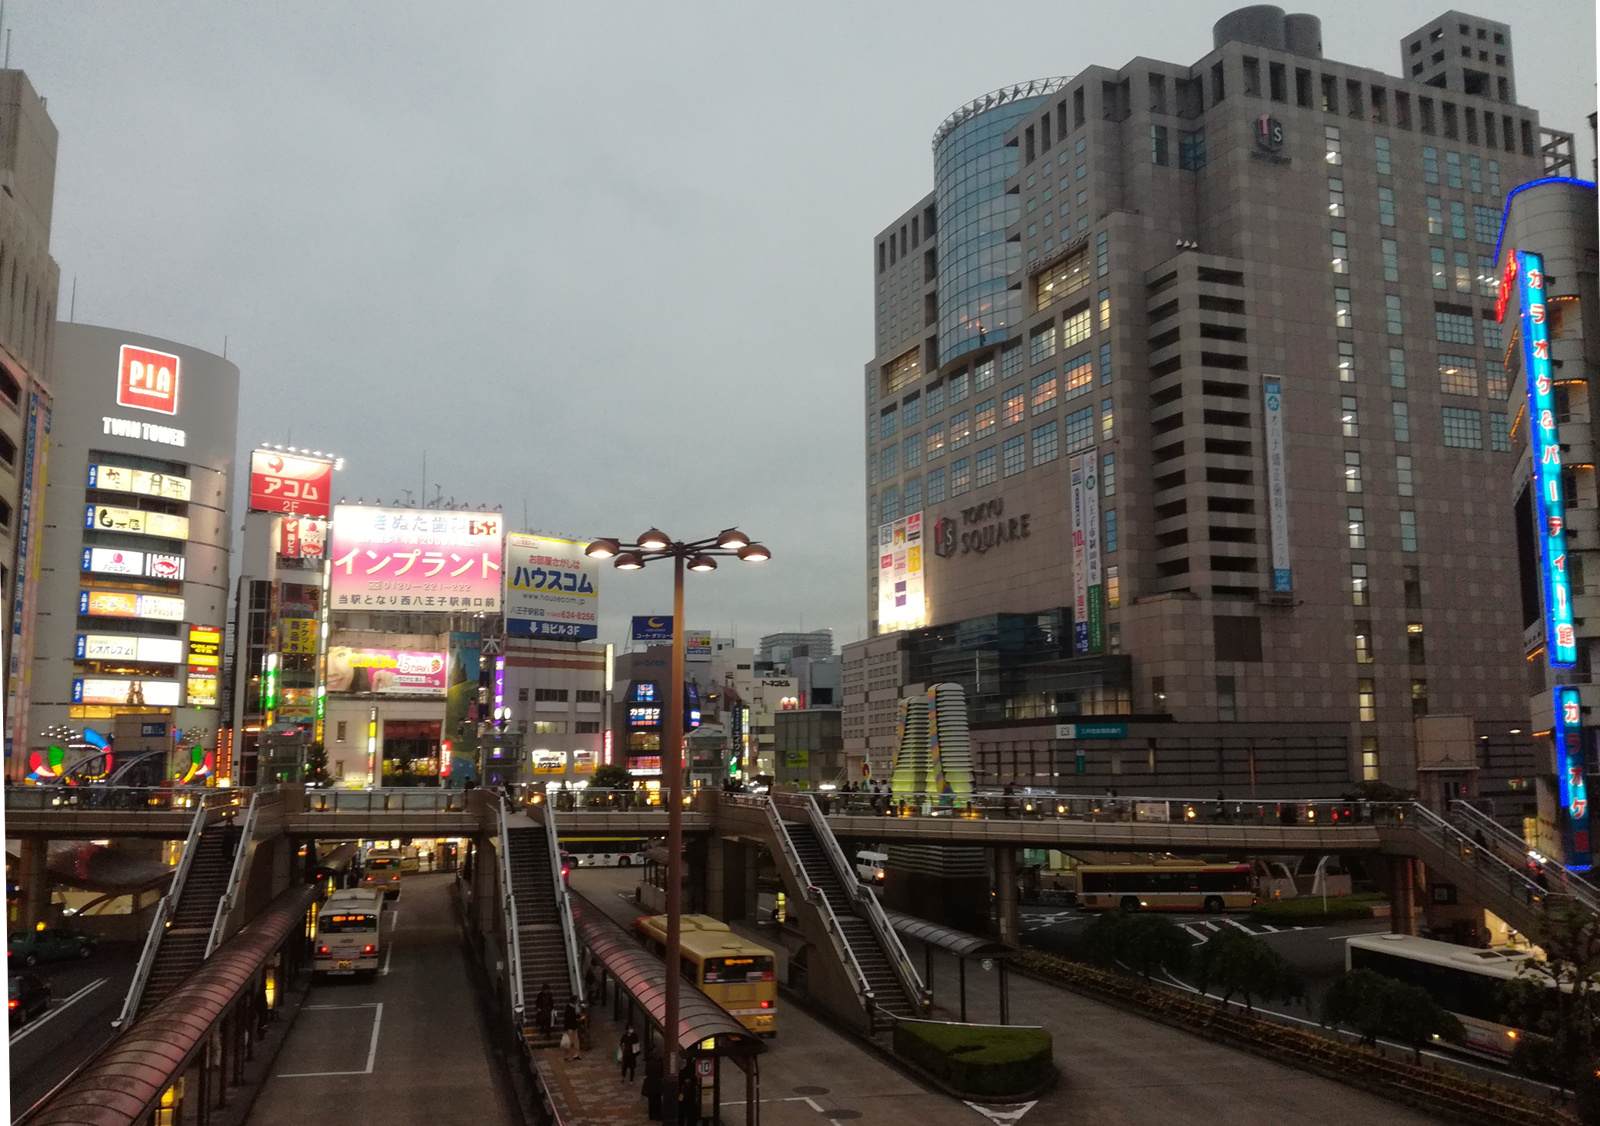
(399, 799)
(569, 934)
(1514, 850)
(513, 929)
(24, 799)
(235, 876)
(164, 911)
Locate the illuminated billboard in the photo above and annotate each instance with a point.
(117, 479)
(281, 482)
(128, 647)
(147, 380)
(901, 600)
(552, 588)
(302, 537)
(1560, 639)
(136, 522)
(133, 693)
(422, 560)
(126, 604)
(385, 672)
(145, 564)
(1567, 736)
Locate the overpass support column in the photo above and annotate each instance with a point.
(1402, 895)
(35, 883)
(1005, 893)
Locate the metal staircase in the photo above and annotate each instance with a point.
(539, 927)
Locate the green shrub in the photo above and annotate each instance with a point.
(991, 1061)
(1309, 908)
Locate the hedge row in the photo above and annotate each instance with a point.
(983, 1061)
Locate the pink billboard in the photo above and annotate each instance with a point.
(385, 672)
(415, 559)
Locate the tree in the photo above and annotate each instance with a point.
(1355, 1000)
(1144, 943)
(316, 765)
(1555, 1001)
(612, 777)
(1374, 1005)
(1236, 962)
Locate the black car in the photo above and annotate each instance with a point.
(30, 996)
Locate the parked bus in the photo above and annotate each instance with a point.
(1166, 887)
(605, 852)
(737, 974)
(1464, 980)
(349, 937)
(382, 871)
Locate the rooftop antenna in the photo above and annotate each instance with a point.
(8, 48)
(72, 309)
(424, 477)
(224, 335)
(524, 513)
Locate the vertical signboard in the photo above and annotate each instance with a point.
(1277, 483)
(552, 588)
(901, 595)
(1560, 640)
(36, 441)
(1080, 558)
(1567, 736)
(1091, 550)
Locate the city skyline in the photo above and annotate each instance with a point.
(376, 247)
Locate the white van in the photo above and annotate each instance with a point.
(869, 866)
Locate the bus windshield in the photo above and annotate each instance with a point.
(347, 923)
(721, 971)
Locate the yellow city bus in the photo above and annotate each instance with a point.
(737, 974)
(1166, 887)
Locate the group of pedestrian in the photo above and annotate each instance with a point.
(544, 1005)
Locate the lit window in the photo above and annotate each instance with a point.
(1348, 416)
(1113, 589)
(1013, 406)
(1341, 252)
(1369, 760)
(1042, 344)
(1075, 330)
(1107, 420)
(1358, 584)
(1042, 393)
(1356, 522)
(1437, 269)
(1347, 361)
(1366, 701)
(935, 441)
(1458, 375)
(1341, 308)
(1334, 150)
(1077, 375)
(1363, 638)
(1495, 381)
(1435, 216)
(1352, 471)
(960, 430)
(983, 416)
(1336, 198)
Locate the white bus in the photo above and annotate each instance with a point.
(349, 937)
(1464, 980)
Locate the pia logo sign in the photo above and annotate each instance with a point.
(147, 380)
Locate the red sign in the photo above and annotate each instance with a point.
(303, 537)
(147, 380)
(1505, 285)
(286, 483)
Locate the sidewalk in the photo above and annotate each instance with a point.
(591, 1090)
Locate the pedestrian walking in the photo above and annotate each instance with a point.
(652, 1083)
(628, 1052)
(569, 1033)
(543, 1006)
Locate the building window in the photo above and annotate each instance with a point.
(935, 441)
(1488, 280)
(1113, 589)
(1462, 429)
(1044, 443)
(1158, 145)
(1227, 700)
(935, 486)
(872, 469)
(1341, 308)
(1042, 344)
(586, 727)
(1192, 150)
(960, 430)
(983, 374)
(1397, 368)
(1485, 224)
(958, 388)
(888, 422)
(1356, 523)
(1452, 169)
(1458, 375)
(1495, 382)
(891, 504)
(1010, 365)
(1105, 309)
(891, 462)
(983, 416)
(1102, 253)
(1358, 584)
(1416, 651)
(1075, 329)
(1334, 150)
(912, 451)
(1369, 759)
(1107, 420)
(1078, 376)
(911, 497)
(1435, 216)
(1391, 260)
(1108, 475)
(1384, 158)
(342, 727)
(1474, 172)
(1453, 328)
(1494, 178)
(1336, 198)
(1042, 392)
(549, 695)
(1366, 701)
(1352, 471)
(1402, 475)
(1347, 361)
(1111, 530)
(1065, 277)
(1348, 416)
(549, 726)
(910, 412)
(1341, 252)
(1391, 315)
(1105, 363)
(1013, 407)
(1385, 207)
(1430, 165)
(1078, 429)
(1402, 421)
(588, 696)
(1436, 267)
(960, 476)
(935, 399)
(1419, 698)
(1014, 456)
(1499, 432)
(1363, 643)
(1458, 219)
(522, 693)
(985, 474)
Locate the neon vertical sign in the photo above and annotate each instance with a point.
(1567, 736)
(1560, 641)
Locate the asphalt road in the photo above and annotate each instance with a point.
(406, 1049)
(85, 997)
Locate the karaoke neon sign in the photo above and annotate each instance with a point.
(1567, 736)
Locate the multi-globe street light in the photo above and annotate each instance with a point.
(697, 555)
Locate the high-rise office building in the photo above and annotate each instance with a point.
(1188, 408)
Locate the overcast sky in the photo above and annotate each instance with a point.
(611, 261)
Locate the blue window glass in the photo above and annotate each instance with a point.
(1110, 541)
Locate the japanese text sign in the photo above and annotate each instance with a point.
(286, 483)
(552, 588)
(423, 560)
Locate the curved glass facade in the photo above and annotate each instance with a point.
(971, 166)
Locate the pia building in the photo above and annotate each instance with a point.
(1188, 425)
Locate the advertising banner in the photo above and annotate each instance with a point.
(281, 482)
(422, 560)
(147, 693)
(385, 672)
(205, 650)
(302, 537)
(126, 604)
(1277, 483)
(297, 635)
(142, 481)
(202, 692)
(115, 561)
(552, 588)
(461, 687)
(657, 628)
(584, 762)
(1080, 559)
(127, 647)
(549, 762)
(697, 646)
(107, 519)
(901, 594)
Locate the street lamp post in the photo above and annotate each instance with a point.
(697, 555)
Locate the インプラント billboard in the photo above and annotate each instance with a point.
(415, 559)
(552, 588)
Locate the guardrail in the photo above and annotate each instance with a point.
(591, 800)
(406, 799)
(1320, 813)
(814, 896)
(235, 876)
(569, 934)
(513, 930)
(1514, 850)
(158, 924)
(23, 799)
(871, 910)
(1517, 883)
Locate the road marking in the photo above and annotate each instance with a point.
(1013, 1115)
(387, 954)
(49, 1013)
(372, 1051)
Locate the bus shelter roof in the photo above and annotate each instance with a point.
(959, 943)
(704, 1027)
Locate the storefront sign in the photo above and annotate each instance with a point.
(126, 604)
(147, 380)
(549, 762)
(128, 647)
(135, 522)
(1567, 734)
(1099, 730)
(144, 431)
(986, 527)
(297, 635)
(652, 628)
(117, 479)
(115, 561)
(302, 537)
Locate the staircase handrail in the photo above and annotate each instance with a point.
(569, 933)
(1580, 888)
(868, 907)
(1450, 837)
(813, 895)
(513, 931)
(158, 924)
(235, 877)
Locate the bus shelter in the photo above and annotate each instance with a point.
(636, 978)
(963, 946)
